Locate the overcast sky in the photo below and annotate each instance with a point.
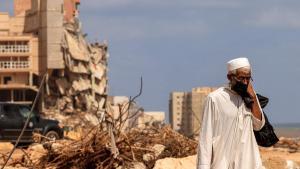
(178, 45)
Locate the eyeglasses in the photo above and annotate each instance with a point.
(243, 78)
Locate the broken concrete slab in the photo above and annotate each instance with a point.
(62, 85)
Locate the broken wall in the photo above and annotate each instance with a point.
(82, 85)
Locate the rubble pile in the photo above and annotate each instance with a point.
(76, 120)
(176, 163)
(157, 148)
(136, 148)
(82, 85)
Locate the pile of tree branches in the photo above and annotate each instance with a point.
(94, 150)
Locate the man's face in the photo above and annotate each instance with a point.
(242, 75)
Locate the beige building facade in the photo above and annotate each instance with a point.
(44, 39)
(185, 110)
(19, 62)
(150, 118)
(30, 43)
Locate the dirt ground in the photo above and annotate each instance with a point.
(276, 158)
(5, 147)
(273, 158)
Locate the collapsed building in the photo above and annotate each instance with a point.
(44, 40)
(133, 115)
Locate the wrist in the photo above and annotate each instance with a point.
(252, 96)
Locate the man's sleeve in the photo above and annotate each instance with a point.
(206, 134)
(257, 123)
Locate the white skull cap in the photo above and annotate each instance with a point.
(238, 63)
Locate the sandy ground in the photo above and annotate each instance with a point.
(5, 147)
(272, 158)
(277, 158)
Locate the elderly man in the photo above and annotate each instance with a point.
(230, 114)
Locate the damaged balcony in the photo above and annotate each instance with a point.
(16, 66)
(17, 76)
(14, 55)
(14, 47)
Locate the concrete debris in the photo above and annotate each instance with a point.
(138, 165)
(62, 85)
(94, 120)
(65, 104)
(148, 157)
(76, 46)
(98, 70)
(292, 165)
(176, 163)
(55, 147)
(158, 149)
(134, 165)
(37, 151)
(77, 119)
(16, 159)
(82, 85)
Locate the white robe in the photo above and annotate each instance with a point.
(226, 139)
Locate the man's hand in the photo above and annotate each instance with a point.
(255, 106)
(250, 91)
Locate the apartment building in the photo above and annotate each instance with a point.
(36, 41)
(185, 110)
(19, 63)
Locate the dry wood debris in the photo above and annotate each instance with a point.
(93, 150)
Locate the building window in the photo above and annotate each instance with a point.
(6, 79)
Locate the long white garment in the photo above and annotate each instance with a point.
(226, 139)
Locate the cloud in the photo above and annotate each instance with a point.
(276, 18)
(133, 28)
(137, 19)
(105, 4)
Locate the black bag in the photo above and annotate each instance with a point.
(265, 137)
